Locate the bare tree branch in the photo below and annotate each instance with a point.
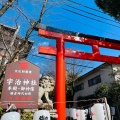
(21, 13)
(6, 46)
(31, 28)
(14, 36)
(5, 7)
(28, 33)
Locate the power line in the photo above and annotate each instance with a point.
(85, 6)
(72, 63)
(65, 62)
(89, 17)
(90, 13)
(89, 26)
(78, 65)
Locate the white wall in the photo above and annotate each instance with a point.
(105, 77)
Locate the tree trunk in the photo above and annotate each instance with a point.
(118, 112)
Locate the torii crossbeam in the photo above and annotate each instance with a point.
(60, 52)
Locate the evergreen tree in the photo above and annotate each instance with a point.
(111, 7)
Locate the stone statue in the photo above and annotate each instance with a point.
(46, 85)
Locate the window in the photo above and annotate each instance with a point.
(94, 80)
(79, 87)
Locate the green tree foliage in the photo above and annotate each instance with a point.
(27, 116)
(112, 93)
(102, 90)
(1, 111)
(111, 7)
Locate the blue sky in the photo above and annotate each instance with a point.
(57, 17)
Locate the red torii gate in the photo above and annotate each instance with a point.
(60, 52)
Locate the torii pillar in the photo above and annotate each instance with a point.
(60, 52)
(60, 85)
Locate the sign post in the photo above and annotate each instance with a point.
(21, 85)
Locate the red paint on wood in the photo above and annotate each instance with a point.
(80, 55)
(60, 95)
(80, 40)
(60, 53)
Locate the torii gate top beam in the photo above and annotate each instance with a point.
(106, 43)
(94, 41)
(75, 37)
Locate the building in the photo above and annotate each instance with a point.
(87, 84)
(10, 42)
